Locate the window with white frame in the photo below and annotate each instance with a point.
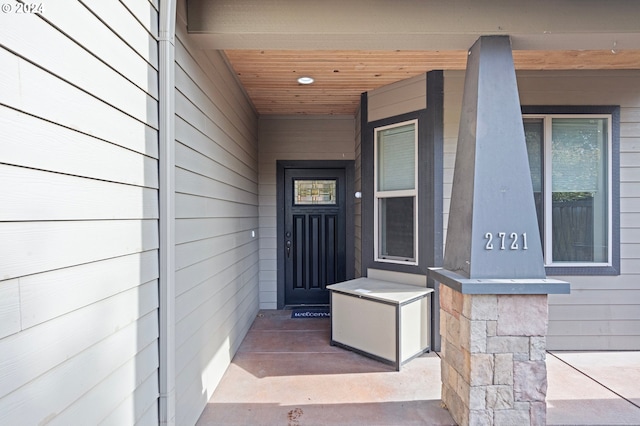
(571, 171)
(396, 194)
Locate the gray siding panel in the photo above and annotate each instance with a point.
(71, 107)
(601, 313)
(293, 138)
(216, 222)
(358, 201)
(70, 152)
(82, 24)
(398, 98)
(78, 227)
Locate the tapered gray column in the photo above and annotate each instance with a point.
(492, 191)
(493, 286)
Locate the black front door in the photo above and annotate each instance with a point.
(314, 233)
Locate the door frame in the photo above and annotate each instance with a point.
(349, 168)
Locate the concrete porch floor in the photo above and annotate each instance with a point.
(286, 373)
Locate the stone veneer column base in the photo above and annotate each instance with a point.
(493, 357)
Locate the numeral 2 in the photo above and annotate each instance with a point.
(489, 237)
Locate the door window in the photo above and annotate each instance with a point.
(314, 192)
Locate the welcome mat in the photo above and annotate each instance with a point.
(311, 312)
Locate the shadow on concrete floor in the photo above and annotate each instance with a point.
(286, 373)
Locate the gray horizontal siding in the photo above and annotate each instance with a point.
(357, 207)
(216, 253)
(601, 312)
(78, 226)
(398, 98)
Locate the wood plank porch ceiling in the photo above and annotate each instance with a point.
(270, 76)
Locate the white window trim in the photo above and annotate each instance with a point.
(547, 189)
(390, 194)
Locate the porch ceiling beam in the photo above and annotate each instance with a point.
(413, 24)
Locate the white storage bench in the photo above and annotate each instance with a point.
(384, 320)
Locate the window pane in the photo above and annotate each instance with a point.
(312, 192)
(534, 135)
(397, 228)
(396, 158)
(579, 182)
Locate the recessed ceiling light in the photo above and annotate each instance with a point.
(305, 80)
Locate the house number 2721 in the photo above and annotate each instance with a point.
(513, 240)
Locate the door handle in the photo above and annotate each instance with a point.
(288, 249)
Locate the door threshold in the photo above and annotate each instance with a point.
(306, 305)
